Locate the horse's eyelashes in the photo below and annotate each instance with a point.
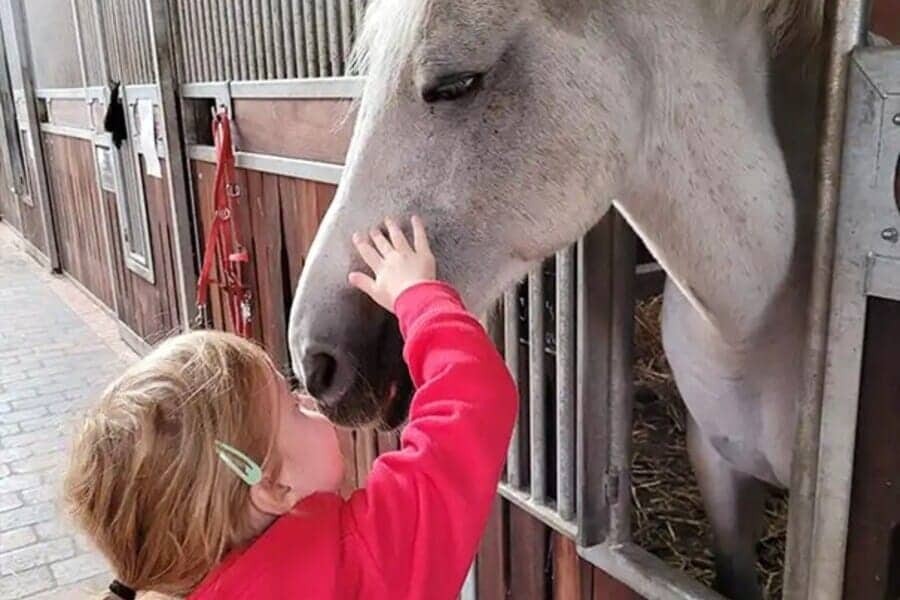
(451, 88)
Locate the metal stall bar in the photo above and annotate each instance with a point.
(322, 39)
(268, 40)
(511, 352)
(219, 47)
(621, 381)
(236, 12)
(230, 29)
(254, 69)
(199, 41)
(346, 32)
(598, 266)
(536, 385)
(846, 22)
(256, 20)
(297, 21)
(278, 38)
(334, 38)
(309, 27)
(187, 52)
(23, 49)
(205, 30)
(565, 383)
(290, 44)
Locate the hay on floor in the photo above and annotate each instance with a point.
(668, 518)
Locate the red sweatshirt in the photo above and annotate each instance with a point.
(413, 531)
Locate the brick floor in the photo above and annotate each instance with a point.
(57, 350)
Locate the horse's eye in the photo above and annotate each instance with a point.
(452, 88)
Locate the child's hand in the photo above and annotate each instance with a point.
(396, 265)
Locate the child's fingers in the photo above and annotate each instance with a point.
(420, 237)
(362, 282)
(381, 242)
(367, 252)
(397, 237)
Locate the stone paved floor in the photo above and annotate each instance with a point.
(57, 350)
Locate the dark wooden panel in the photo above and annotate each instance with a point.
(310, 129)
(873, 560)
(491, 571)
(78, 214)
(570, 578)
(528, 565)
(886, 19)
(607, 588)
(71, 113)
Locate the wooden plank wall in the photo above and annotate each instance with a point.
(78, 214)
(150, 310)
(873, 545)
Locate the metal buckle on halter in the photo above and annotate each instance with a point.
(223, 213)
(200, 320)
(233, 190)
(246, 308)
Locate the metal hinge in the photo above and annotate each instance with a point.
(611, 486)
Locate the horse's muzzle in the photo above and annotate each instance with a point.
(351, 363)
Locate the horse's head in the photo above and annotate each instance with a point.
(505, 125)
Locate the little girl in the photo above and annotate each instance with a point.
(200, 474)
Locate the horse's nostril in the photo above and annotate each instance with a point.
(319, 370)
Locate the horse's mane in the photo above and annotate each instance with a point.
(791, 20)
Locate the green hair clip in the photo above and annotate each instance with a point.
(242, 465)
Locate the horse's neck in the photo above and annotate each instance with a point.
(712, 197)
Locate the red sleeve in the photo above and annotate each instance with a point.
(425, 507)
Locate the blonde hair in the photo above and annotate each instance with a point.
(145, 482)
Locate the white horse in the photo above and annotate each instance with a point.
(513, 126)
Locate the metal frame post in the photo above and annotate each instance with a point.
(163, 32)
(23, 47)
(845, 30)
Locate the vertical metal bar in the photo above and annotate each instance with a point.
(511, 353)
(594, 304)
(309, 26)
(322, 38)
(536, 388)
(359, 11)
(253, 67)
(621, 384)
(225, 41)
(209, 70)
(101, 40)
(219, 48)
(810, 557)
(290, 44)
(103, 17)
(298, 21)
(136, 42)
(186, 64)
(143, 35)
(277, 38)
(269, 55)
(129, 60)
(23, 49)
(79, 41)
(258, 28)
(231, 26)
(236, 13)
(565, 383)
(199, 40)
(209, 36)
(333, 20)
(161, 31)
(346, 31)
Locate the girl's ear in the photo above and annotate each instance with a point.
(271, 498)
